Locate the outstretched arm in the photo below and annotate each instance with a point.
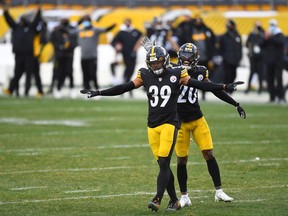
(37, 18)
(115, 90)
(109, 28)
(209, 86)
(225, 97)
(10, 21)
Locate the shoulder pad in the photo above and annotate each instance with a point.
(201, 68)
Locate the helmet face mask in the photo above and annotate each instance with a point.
(157, 60)
(188, 55)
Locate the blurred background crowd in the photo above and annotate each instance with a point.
(60, 45)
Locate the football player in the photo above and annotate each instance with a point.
(193, 122)
(162, 84)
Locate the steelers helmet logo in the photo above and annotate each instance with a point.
(200, 77)
(173, 79)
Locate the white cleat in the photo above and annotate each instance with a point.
(185, 201)
(221, 196)
(73, 93)
(57, 94)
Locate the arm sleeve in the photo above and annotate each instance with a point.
(206, 86)
(110, 28)
(118, 89)
(36, 19)
(225, 97)
(10, 21)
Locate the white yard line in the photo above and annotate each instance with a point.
(88, 131)
(28, 188)
(73, 148)
(248, 201)
(116, 146)
(116, 158)
(235, 142)
(81, 191)
(76, 198)
(131, 167)
(23, 121)
(124, 195)
(67, 170)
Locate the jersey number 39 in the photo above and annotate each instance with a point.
(164, 93)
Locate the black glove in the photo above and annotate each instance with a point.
(90, 93)
(241, 111)
(232, 86)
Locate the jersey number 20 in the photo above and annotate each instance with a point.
(187, 93)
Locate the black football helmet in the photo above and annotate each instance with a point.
(155, 55)
(188, 55)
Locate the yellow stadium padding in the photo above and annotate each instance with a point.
(214, 19)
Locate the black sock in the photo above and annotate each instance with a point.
(163, 176)
(182, 177)
(171, 187)
(214, 171)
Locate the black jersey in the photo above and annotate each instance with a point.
(188, 106)
(162, 93)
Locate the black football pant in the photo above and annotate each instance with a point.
(130, 63)
(275, 81)
(256, 67)
(230, 71)
(64, 69)
(89, 70)
(23, 63)
(36, 75)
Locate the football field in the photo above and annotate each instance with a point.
(91, 157)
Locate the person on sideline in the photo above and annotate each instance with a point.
(23, 34)
(231, 51)
(88, 39)
(64, 40)
(129, 39)
(204, 39)
(255, 54)
(274, 60)
(193, 122)
(162, 83)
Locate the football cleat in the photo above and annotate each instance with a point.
(39, 95)
(7, 92)
(185, 201)
(221, 196)
(173, 205)
(154, 204)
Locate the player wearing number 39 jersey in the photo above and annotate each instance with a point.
(162, 84)
(193, 122)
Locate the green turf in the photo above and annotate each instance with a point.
(102, 165)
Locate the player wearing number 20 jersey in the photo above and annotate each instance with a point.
(188, 98)
(193, 122)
